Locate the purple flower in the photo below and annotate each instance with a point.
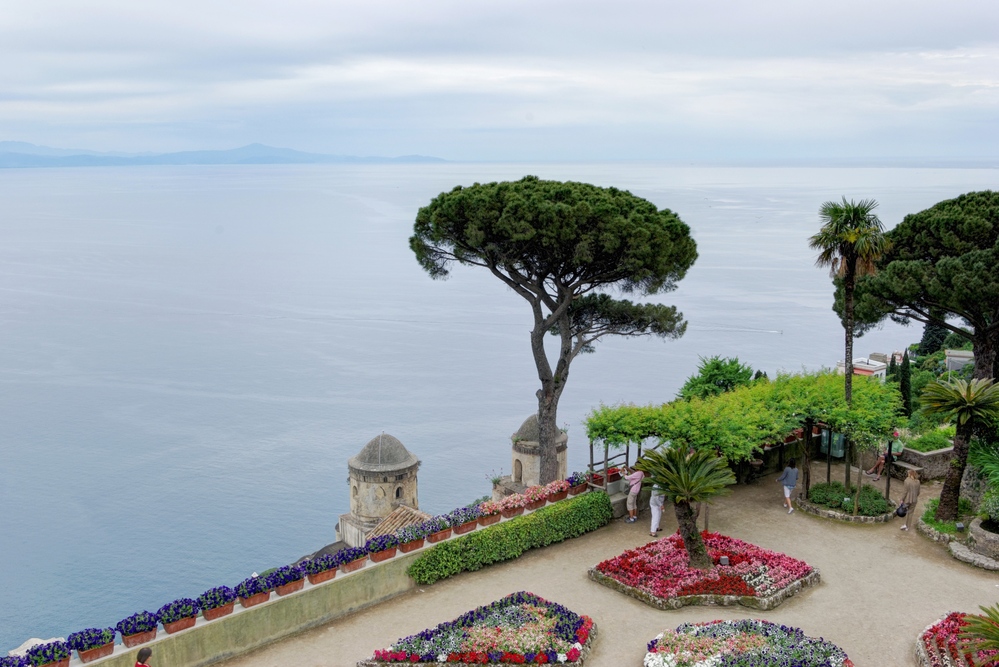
(462, 515)
(350, 554)
(144, 621)
(285, 575)
(320, 564)
(216, 597)
(51, 652)
(251, 586)
(13, 661)
(178, 609)
(413, 532)
(85, 640)
(381, 543)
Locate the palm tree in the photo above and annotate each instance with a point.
(967, 404)
(686, 478)
(982, 631)
(850, 241)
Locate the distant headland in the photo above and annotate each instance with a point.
(19, 154)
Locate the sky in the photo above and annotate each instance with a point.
(695, 81)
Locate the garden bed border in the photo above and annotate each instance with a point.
(836, 515)
(752, 601)
(583, 653)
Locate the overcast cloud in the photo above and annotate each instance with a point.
(467, 80)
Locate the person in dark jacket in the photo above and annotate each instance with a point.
(789, 478)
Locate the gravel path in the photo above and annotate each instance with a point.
(880, 587)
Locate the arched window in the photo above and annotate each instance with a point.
(518, 471)
(398, 492)
(353, 491)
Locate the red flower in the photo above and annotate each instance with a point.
(572, 655)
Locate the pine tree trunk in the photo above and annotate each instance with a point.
(847, 456)
(951, 493)
(548, 437)
(985, 357)
(806, 455)
(848, 330)
(692, 541)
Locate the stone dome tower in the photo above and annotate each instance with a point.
(382, 477)
(526, 455)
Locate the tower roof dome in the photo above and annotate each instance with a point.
(530, 430)
(384, 453)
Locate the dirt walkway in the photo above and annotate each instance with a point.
(880, 587)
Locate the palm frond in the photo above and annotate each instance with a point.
(687, 477)
(982, 631)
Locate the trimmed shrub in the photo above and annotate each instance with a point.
(872, 502)
(829, 494)
(504, 541)
(939, 438)
(989, 507)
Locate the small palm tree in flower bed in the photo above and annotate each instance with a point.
(687, 478)
(960, 639)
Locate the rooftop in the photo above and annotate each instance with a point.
(382, 454)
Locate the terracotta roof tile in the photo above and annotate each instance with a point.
(400, 517)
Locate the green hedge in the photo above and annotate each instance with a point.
(554, 523)
(872, 502)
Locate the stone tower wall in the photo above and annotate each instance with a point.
(375, 495)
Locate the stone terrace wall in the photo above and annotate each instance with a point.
(248, 629)
(934, 464)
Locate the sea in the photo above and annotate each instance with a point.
(189, 355)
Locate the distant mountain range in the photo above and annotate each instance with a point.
(19, 154)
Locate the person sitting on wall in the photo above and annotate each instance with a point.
(895, 449)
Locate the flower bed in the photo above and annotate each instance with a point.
(747, 643)
(518, 629)
(658, 574)
(938, 646)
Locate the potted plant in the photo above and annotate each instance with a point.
(463, 519)
(381, 548)
(352, 558)
(217, 602)
(411, 537)
(138, 628)
(287, 579)
(53, 654)
(536, 497)
(92, 643)
(252, 591)
(439, 528)
(489, 513)
(320, 569)
(512, 506)
(577, 483)
(14, 661)
(557, 490)
(178, 615)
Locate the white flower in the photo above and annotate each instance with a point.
(442, 657)
(561, 657)
(578, 646)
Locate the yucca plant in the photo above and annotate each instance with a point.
(686, 478)
(982, 630)
(966, 404)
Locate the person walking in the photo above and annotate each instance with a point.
(910, 496)
(789, 478)
(656, 501)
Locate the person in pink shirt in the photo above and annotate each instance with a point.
(634, 479)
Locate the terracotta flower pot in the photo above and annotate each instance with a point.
(384, 554)
(561, 495)
(439, 535)
(411, 546)
(182, 624)
(514, 511)
(92, 654)
(537, 504)
(614, 476)
(290, 587)
(466, 527)
(320, 577)
(578, 489)
(139, 638)
(355, 564)
(489, 520)
(218, 612)
(57, 663)
(256, 598)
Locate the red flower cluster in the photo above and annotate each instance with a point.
(662, 568)
(725, 584)
(944, 648)
(584, 630)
